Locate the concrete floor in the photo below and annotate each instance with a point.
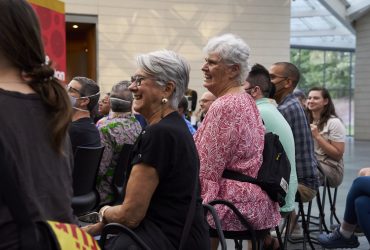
(357, 155)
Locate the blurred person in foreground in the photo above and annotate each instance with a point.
(356, 214)
(231, 137)
(163, 176)
(35, 115)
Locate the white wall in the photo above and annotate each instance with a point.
(362, 78)
(126, 28)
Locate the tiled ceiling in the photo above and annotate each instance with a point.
(325, 23)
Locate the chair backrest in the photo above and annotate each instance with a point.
(86, 165)
(119, 175)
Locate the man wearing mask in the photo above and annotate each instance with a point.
(84, 94)
(285, 76)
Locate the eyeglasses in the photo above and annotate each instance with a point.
(138, 78)
(272, 76)
(70, 89)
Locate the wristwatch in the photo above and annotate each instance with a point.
(101, 213)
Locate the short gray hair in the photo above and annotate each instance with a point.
(166, 65)
(120, 91)
(233, 50)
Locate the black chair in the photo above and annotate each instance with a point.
(210, 209)
(305, 220)
(116, 228)
(256, 236)
(287, 216)
(86, 166)
(119, 175)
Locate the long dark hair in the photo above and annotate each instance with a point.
(328, 110)
(21, 45)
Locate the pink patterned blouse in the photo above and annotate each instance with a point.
(231, 137)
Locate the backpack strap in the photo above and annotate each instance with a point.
(12, 197)
(233, 175)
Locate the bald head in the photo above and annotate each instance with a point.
(206, 100)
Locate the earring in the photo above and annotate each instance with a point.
(164, 100)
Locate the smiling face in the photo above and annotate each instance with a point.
(315, 101)
(147, 94)
(216, 73)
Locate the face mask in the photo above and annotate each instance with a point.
(73, 100)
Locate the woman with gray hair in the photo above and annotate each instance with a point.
(232, 138)
(162, 193)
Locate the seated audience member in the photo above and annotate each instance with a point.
(84, 95)
(258, 85)
(232, 137)
(103, 108)
(183, 106)
(301, 96)
(120, 127)
(329, 135)
(205, 102)
(163, 176)
(35, 114)
(285, 76)
(356, 213)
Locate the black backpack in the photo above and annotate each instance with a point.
(273, 176)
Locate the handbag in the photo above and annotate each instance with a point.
(332, 170)
(48, 235)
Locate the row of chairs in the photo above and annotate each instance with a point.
(86, 166)
(86, 199)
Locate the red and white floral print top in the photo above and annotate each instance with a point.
(232, 137)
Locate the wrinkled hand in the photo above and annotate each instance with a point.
(314, 130)
(94, 229)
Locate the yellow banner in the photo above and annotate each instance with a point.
(71, 237)
(54, 5)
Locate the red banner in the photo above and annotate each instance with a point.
(53, 31)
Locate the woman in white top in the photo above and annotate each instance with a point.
(329, 134)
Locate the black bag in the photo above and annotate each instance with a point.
(273, 176)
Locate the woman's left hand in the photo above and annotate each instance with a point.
(94, 229)
(314, 130)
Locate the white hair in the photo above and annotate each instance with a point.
(233, 50)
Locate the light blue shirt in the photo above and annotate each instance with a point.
(276, 123)
(190, 127)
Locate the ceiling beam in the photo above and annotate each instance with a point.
(357, 9)
(310, 13)
(338, 10)
(321, 33)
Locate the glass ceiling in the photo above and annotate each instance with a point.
(327, 24)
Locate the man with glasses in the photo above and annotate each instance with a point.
(285, 76)
(205, 102)
(84, 95)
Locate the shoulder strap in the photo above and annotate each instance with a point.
(233, 175)
(190, 216)
(13, 199)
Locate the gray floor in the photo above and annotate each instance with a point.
(357, 155)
